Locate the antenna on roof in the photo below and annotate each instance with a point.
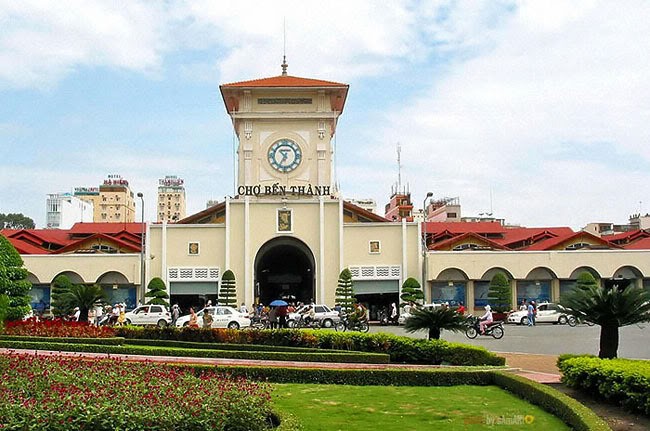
(399, 167)
(284, 47)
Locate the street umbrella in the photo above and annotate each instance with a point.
(278, 303)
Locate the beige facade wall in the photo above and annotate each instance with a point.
(89, 267)
(520, 263)
(553, 266)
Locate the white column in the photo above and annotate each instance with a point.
(227, 245)
(163, 258)
(404, 254)
(341, 244)
(248, 284)
(147, 259)
(421, 263)
(321, 251)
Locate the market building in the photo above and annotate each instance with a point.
(288, 231)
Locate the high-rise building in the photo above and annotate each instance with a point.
(171, 199)
(64, 210)
(116, 202)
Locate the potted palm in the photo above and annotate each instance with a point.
(434, 320)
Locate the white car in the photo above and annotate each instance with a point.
(325, 316)
(222, 317)
(148, 315)
(401, 320)
(547, 312)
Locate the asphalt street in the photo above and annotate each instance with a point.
(634, 341)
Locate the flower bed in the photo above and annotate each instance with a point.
(40, 393)
(57, 328)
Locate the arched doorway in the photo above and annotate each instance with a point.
(284, 267)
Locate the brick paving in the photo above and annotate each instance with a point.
(540, 368)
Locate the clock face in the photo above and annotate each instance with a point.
(285, 155)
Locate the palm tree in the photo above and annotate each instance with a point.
(85, 297)
(435, 320)
(615, 305)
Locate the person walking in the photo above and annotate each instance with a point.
(176, 313)
(207, 319)
(531, 313)
(193, 323)
(273, 318)
(393, 313)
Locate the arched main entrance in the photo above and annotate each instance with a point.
(284, 267)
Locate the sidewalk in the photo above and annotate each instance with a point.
(540, 368)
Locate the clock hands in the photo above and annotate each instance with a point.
(285, 155)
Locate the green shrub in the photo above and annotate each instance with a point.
(401, 349)
(621, 381)
(226, 346)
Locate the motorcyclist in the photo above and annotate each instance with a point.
(486, 319)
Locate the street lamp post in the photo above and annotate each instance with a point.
(424, 242)
(142, 246)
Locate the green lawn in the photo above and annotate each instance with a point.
(388, 408)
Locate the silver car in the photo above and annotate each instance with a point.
(222, 317)
(148, 315)
(325, 316)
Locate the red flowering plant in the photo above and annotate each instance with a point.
(57, 328)
(57, 393)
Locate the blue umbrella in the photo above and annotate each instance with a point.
(278, 303)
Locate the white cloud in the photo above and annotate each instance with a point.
(573, 74)
(41, 42)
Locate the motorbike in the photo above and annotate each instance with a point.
(573, 321)
(494, 329)
(383, 317)
(345, 324)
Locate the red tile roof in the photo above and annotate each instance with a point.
(565, 240)
(464, 227)
(451, 242)
(70, 248)
(641, 244)
(284, 81)
(108, 228)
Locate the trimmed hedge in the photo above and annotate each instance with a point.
(566, 408)
(621, 381)
(115, 341)
(336, 357)
(401, 349)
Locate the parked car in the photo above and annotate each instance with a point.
(547, 312)
(148, 315)
(222, 317)
(325, 316)
(401, 320)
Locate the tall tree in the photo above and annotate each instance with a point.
(345, 291)
(228, 290)
(16, 221)
(411, 291)
(157, 292)
(434, 321)
(500, 293)
(611, 307)
(60, 285)
(13, 281)
(85, 297)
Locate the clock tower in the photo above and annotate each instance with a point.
(285, 125)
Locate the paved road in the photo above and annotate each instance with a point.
(549, 339)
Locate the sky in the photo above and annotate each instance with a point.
(535, 111)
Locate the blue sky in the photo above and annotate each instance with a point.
(537, 111)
